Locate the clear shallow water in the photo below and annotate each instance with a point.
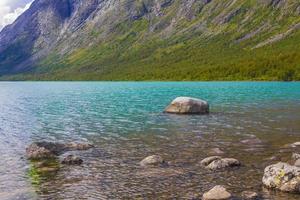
(125, 123)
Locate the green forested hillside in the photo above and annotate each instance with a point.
(195, 40)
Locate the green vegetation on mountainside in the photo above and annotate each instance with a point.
(228, 48)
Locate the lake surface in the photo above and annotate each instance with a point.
(124, 120)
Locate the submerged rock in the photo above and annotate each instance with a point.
(208, 160)
(154, 160)
(72, 160)
(73, 146)
(283, 177)
(223, 163)
(40, 150)
(252, 141)
(192, 196)
(217, 193)
(187, 105)
(216, 151)
(216, 162)
(249, 195)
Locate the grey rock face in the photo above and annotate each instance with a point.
(187, 105)
(40, 29)
(217, 193)
(283, 177)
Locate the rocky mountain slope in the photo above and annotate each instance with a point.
(153, 40)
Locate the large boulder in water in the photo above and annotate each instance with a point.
(283, 177)
(187, 105)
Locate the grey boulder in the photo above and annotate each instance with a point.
(216, 162)
(283, 177)
(188, 105)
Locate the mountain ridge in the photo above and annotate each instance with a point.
(153, 40)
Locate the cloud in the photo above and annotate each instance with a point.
(8, 13)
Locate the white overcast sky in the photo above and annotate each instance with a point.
(11, 9)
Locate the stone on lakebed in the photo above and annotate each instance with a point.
(154, 160)
(217, 162)
(72, 160)
(217, 193)
(188, 105)
(42, 150)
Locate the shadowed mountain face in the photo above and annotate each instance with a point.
(114, 39)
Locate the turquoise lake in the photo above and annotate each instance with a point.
(126, 123)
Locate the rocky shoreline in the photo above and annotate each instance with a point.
(280, 176)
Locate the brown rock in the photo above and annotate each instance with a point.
(217, 193)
